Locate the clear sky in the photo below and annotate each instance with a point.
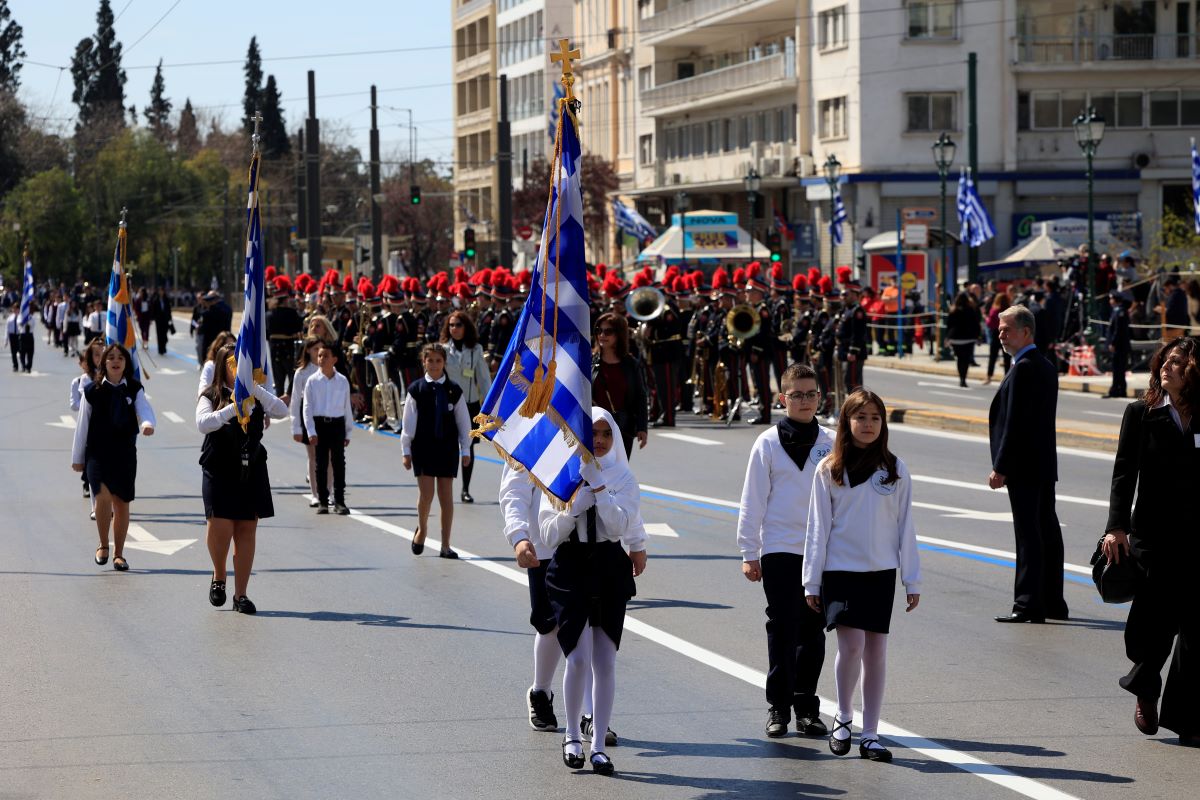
(332, 38)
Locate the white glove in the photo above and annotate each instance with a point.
(260, 389)
(592, 473)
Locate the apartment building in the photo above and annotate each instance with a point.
(475, 115)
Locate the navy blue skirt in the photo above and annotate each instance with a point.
(861, 600)
(589, 585)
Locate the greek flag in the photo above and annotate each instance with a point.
(976, 225)
(631, 223)
(839, 216)
(1196, 185)
(552, 122)
(26, 296)
(252, 354)
(550, 355)
(119, 327)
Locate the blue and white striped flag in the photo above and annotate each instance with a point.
(26, 296)
(552, 119)
(1196, 185)
(839, 216)
(631, 223)
(252, 354)
(553, 348)
(119, 327)
(976, 225)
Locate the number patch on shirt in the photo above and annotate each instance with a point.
(817, 453)
(877, 483)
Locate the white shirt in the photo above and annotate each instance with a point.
(78, 384)
(862, 528)
(469, 369)
(60, 314)
(209, 421)
(1166, 401)
(206, 376)
(327, 397)
(520, 499)
(141, 406)
(461, 418)
(775, 496)
(618, 518)
(12, 325)
(95, 322)
(298, 380)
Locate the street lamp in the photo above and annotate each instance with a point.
(1089, 132)
(943, 158)
(833, 171)
(682, 201)
(752, 182)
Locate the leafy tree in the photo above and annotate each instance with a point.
(599, 180)
(187, 137)
(12, 124)
(159, 110)
(275, 141)
(99, 79)
(50, 212)
(11, 51)
(425, 230)
(252, 100)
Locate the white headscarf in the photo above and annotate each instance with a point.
(615, 464)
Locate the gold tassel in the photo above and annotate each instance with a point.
(548, 387)
(533, 400)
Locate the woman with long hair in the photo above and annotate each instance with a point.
(467, 367)
(617, 384)
(962, 331)
(72, 327)
(999, 303)
(306, 367)
(89, 364)
(107, 450)
(210, 359)
(236, 488)
(319, 326)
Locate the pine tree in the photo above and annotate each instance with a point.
(252, 101)
(187, 137)
(11, 51)
(275, 141)
(159, 111)
(99, 79)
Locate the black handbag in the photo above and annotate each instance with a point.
(1116, 582)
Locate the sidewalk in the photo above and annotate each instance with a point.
(923, 363)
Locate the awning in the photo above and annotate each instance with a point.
(1037, 251)
(708, 237)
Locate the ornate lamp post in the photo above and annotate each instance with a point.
(833, 171)
(682, 201)
(943, 157)
(752, 182)
(1089, 132)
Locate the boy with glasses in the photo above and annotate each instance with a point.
(770, 533)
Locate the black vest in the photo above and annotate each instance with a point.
(113, 424)
(223, 448)
(425, 396)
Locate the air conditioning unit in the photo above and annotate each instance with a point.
(770, 167)
(1141, 160)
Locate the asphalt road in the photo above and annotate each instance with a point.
(371, 673)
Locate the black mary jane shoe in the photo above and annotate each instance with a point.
(602, 764)
(242, 605)
(466, 497)
(418, 547)
(216, 593)
(448, 553)
(120, 564)
(877, 753)
(839, 747)
(101, 560)
(572, 760)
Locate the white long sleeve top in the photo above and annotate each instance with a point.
(209, 421)
(327, 397)
(462, 419)
(775, 496)
(78, 384)
(862, 528)
(298, 380)
(618, 519)
(141, 407)
(95, 321)
(207, 372)
(60, 314)
(469, 369)
(520, 501)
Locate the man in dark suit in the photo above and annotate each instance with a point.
(1021, 426)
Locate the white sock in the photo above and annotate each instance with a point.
(604, 686)
(842, 734)
(546, 655)
(575, 677)
(847, 667)
(873, 674)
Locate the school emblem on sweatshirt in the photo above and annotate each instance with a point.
(818, 452)
(877, 483)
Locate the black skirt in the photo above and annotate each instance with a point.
(228, 497)
(438, 458)
(589, 585)
(541, 613)
(117, 471)
(859, 599)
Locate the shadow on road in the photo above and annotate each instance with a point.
(379, 621)
(640, 603)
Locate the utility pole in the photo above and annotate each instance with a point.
(225, 259)
(312, 163)
(972, 158)
(376, 211)
(504, 163)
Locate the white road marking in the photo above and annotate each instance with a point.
(983, 487)
(171, 415)
(944, 386)
(918, 744)
(687, 496)
(1105, 414)
(169, 371)
(960, 396)
(683, 437)
(66, 421)
(145, 540)
(969, 437)
(966, 513)
(991, 551)
(35, 374)
(660, 529)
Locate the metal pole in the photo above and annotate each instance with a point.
(683, 237)
(750, 199)
(899, 290)
(504, 169)
(935, 297)
(1089, 288)
(832, 242)
(376, 188)
(312, 163)
(972, 155)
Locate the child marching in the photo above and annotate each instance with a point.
(329, 418)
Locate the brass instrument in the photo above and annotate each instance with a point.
(720, 401)
(385, 398)
(741, 323)
(646, 303)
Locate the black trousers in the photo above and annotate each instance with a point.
(666, 388)
(331, 435)
(683, 374)
(1120, 363)
(161, 329)
(14, 344)
(760, 373)
(795, 636)
(27, 351)
(994, 352)
(472, 410)
(964, 354)
(854, 374)
(283, 369)
(1038, 587)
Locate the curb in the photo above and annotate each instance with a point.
(1067, 384)
(938, 420)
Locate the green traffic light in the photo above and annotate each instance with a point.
(470, 253)
(776, 257)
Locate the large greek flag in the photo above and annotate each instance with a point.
(119, 328)
(252, 354)
(631, 223)
(26, 296)
(1196, 185)
(839, 217)
(976, 225)
(549, 445)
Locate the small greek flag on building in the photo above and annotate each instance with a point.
(631, 223)
(1196, 185)
(252, 354)
(839, 217)
(976, 225)
(119, 327)
(538, 413)
(26, 296)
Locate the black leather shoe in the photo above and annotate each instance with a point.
(571, 760)
(839, 747)
(216, 593)
(322, 509)
(101, 559)
(811, 726)
(341, 510)
(242, 605)
(448, 553)
(1020, 616)
(777, 722)
(418, 547)
(876, 753)
(120, 564)
(466, 497)
(602, 764)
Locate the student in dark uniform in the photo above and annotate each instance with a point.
(1119, 340)
(852, 333)
(436, 435)
(761, 348)
(112, 410)
(666, 351)
(284, 327)
(235, 485)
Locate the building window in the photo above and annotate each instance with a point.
(1045, 111)
(831, 28)
(645, 78)
(1164, 109)
(931, 111)
(1189, 107)
(930, 19)
(832, 113)
(1129, 110)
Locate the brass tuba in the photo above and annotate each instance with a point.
(646, 303)
(741, 323)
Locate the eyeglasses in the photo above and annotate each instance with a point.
(798, 396)
(606, 332)
(455, 325)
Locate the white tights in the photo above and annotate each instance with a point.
(865, 652)
(594, 658)
(546, 654)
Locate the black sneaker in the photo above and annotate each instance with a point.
(585, 728)
(341, 510)
(541, 711)
(322, 509)
(777, 721)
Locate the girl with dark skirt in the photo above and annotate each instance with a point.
(89, 364)
(236, 488)
(435, 437)
(590, 580)
(860, 532)
(107, 449)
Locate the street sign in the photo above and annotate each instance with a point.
(525, 232)
(925, 215)
(916, 234)
(908, 281)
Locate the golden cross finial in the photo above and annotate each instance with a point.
(124, 214)
(564, 56)
(255, 138)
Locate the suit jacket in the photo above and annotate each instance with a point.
(1021, 421)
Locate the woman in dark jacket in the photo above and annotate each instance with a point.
(962, 331)
(617, 383)
(1158, 458)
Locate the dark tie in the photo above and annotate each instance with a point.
(439, 403)
(591, 525)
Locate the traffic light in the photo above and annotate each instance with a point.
(414, 194)
(469, 243)
(775, 245)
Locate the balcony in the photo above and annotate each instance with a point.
(466, 9)
(684, 15)
(693, 23)
(773, 72)
(1140, 47)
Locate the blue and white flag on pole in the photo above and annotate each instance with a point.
(252, 354)
(26, 296)
(1196, 185)
(631, 223)
(839, 217)
(538, 412)
(552, 120)
(976, 225)
(119, 327)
